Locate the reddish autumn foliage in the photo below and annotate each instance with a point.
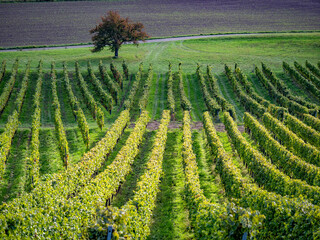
(114, 30)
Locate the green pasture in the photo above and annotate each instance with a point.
(246, 51)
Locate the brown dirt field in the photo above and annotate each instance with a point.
(48, 23)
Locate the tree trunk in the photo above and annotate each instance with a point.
(116, 52)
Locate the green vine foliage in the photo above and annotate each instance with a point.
(129, 101)
(211, 103)
(32, 161)
(282, 88)
(125, 69)
(312, 121)
(13, 120)
(105, 98)
(185, 103)
(61, 134)
(113, 87)
(146, 89)
(313, 69)
(2, 69)
(293, 217)
(292, 142)
(290, 164)
(249, 103)
(77, 111)
(133, 220)
(49, 211)
(302, 130)
(96, 112)
(212, 220)
(264, 172)
(305, 83)
(214, 90)
(170, 97)
(293, 107)
(305, 73)
(116, 75)
(7, 89)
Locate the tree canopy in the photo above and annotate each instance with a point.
(114, 30)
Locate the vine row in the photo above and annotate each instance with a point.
(211, 103)
(146, 88)
(185, 103)
(170, 96)
(116, 75)
(301, 216)
(39, 213)
(264, 172)
(305, 73)
(129, 101)
(6, 92)
(61, 134)
(214, 89)
(292, 166)
(293, 107)
(112, 86)
(134, 218)
(308, 134)
(206, 217)
(96, 111)
(305, 83)
(313, 69)
(2, 69)
(105, 97)
(32, 161)
(77, 111)
(279, 84)
(12, 123)
(293, 143)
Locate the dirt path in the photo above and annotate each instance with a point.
(147, 41)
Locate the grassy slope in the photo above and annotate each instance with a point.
(170, 213)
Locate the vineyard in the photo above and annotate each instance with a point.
(99, 149)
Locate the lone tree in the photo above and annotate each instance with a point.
(114, 30)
